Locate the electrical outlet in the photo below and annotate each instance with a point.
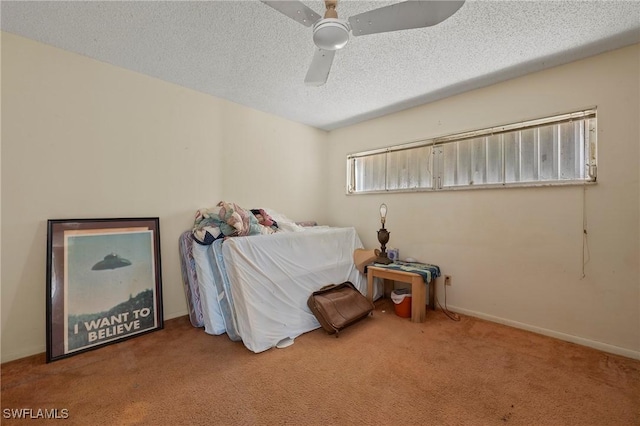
(447, 280)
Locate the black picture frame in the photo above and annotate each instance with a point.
(104, 282)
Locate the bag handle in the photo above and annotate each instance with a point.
(329, 287)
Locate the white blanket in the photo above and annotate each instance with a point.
(272, 276)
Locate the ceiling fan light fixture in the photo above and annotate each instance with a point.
(331, 33)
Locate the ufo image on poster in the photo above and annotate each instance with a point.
(111, 261)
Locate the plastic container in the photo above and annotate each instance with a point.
(402, 302)
(393, 254)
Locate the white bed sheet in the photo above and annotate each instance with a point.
(272, 276)
(222, 287)
(211, 313)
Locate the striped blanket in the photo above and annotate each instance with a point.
(427, 271)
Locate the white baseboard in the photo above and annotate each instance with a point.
(551, 333)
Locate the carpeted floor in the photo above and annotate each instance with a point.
(384, 370)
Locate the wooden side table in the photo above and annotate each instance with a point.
(418, 289)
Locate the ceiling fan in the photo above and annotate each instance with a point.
(331, 34)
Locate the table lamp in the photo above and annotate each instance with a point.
(383, 237)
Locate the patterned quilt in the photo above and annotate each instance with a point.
(226, 220)
(427, 271)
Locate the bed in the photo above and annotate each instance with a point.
(255, 287)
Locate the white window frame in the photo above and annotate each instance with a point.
(585, 160)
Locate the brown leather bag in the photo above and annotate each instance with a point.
(338, 305)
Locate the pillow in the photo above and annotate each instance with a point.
(284, 223)
(307, 223)
(263, 218)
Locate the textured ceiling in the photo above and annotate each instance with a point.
(248, 53)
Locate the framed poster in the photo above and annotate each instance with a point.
(103, 282)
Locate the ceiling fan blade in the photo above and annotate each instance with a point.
(295, 10)
(403, 16)
(320, 67)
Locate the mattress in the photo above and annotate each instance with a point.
(255, 288)
(211, 312)
(222, 289)
(190, 279)
(272, 276)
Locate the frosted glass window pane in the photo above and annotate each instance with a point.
(548, 149)
(528, 155)
(370, 172)
(450, 163)
(421, 167)
(528, 152)
(409, 169)
(396, 169)
(463, 175)
(570, 161)
(478, 161)
(494, 159)
(511, 157)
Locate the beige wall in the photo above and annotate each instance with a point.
(83, 139)
(516, 255)
(271, 162)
